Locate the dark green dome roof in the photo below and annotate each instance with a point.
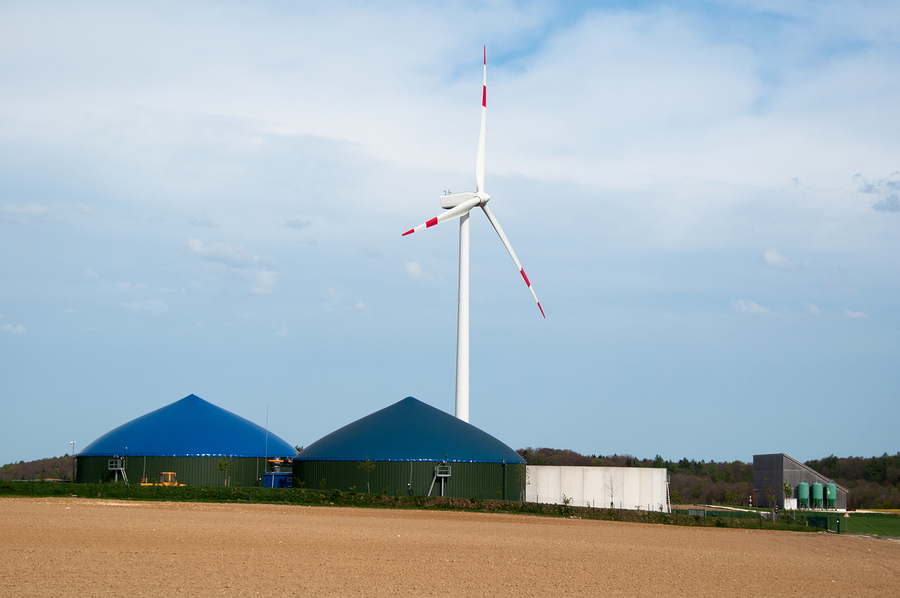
(409, 430)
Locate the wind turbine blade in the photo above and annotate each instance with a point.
(512, 253)
(456, 212)
(479, 160)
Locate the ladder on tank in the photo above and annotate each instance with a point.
(440, 471)
(117, 466)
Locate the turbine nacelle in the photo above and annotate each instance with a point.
(454, 199)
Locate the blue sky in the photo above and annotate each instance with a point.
(208, 198)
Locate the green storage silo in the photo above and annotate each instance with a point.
(203, 444)
(413, 449)
(831, 495)
(816, 491)
(803, 495)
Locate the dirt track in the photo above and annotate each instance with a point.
(78, 547)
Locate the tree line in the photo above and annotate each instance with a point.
(53, 468)
(872, 483)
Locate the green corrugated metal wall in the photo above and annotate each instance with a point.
(192, 471)
(467, 480)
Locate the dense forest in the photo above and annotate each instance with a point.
(872, 483)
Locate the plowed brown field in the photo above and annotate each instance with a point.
(78, 547)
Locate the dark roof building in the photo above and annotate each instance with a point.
(204, 444)
(809, 488)
(404, 444)
(410, 430)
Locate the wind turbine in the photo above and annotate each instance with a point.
(458, 205)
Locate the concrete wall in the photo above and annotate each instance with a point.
(601, 487)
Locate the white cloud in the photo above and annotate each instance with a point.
(773, 257)
(856, 315)
(203, 220)
(414, 271)
(750, 307)
(879, 186)
(281, 332)
(129, 286)
(236, 258)
(70, 311)
(152, 306)
(21, 213)
(338, 299)
(891, 203)
(265, 282)
(813, 309)
(869, 188)
(298, 224)
(83, 209)
(222, 253)
(19, 329)
(90, 274)
(335, 296)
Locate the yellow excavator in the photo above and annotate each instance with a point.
(166, 478)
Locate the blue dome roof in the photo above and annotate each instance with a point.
(409, 430)
(190, 427)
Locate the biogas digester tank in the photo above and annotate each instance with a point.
(817, 495)
(831, 495)
(803, 495)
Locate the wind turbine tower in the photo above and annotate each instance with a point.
(458, 205)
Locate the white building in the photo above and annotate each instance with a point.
(639, 488)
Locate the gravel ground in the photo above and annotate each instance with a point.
(82, 547)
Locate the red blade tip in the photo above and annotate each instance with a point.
(409, 232)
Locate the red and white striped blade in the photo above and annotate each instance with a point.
(456, 212)
(512, 253)
(479, 160)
